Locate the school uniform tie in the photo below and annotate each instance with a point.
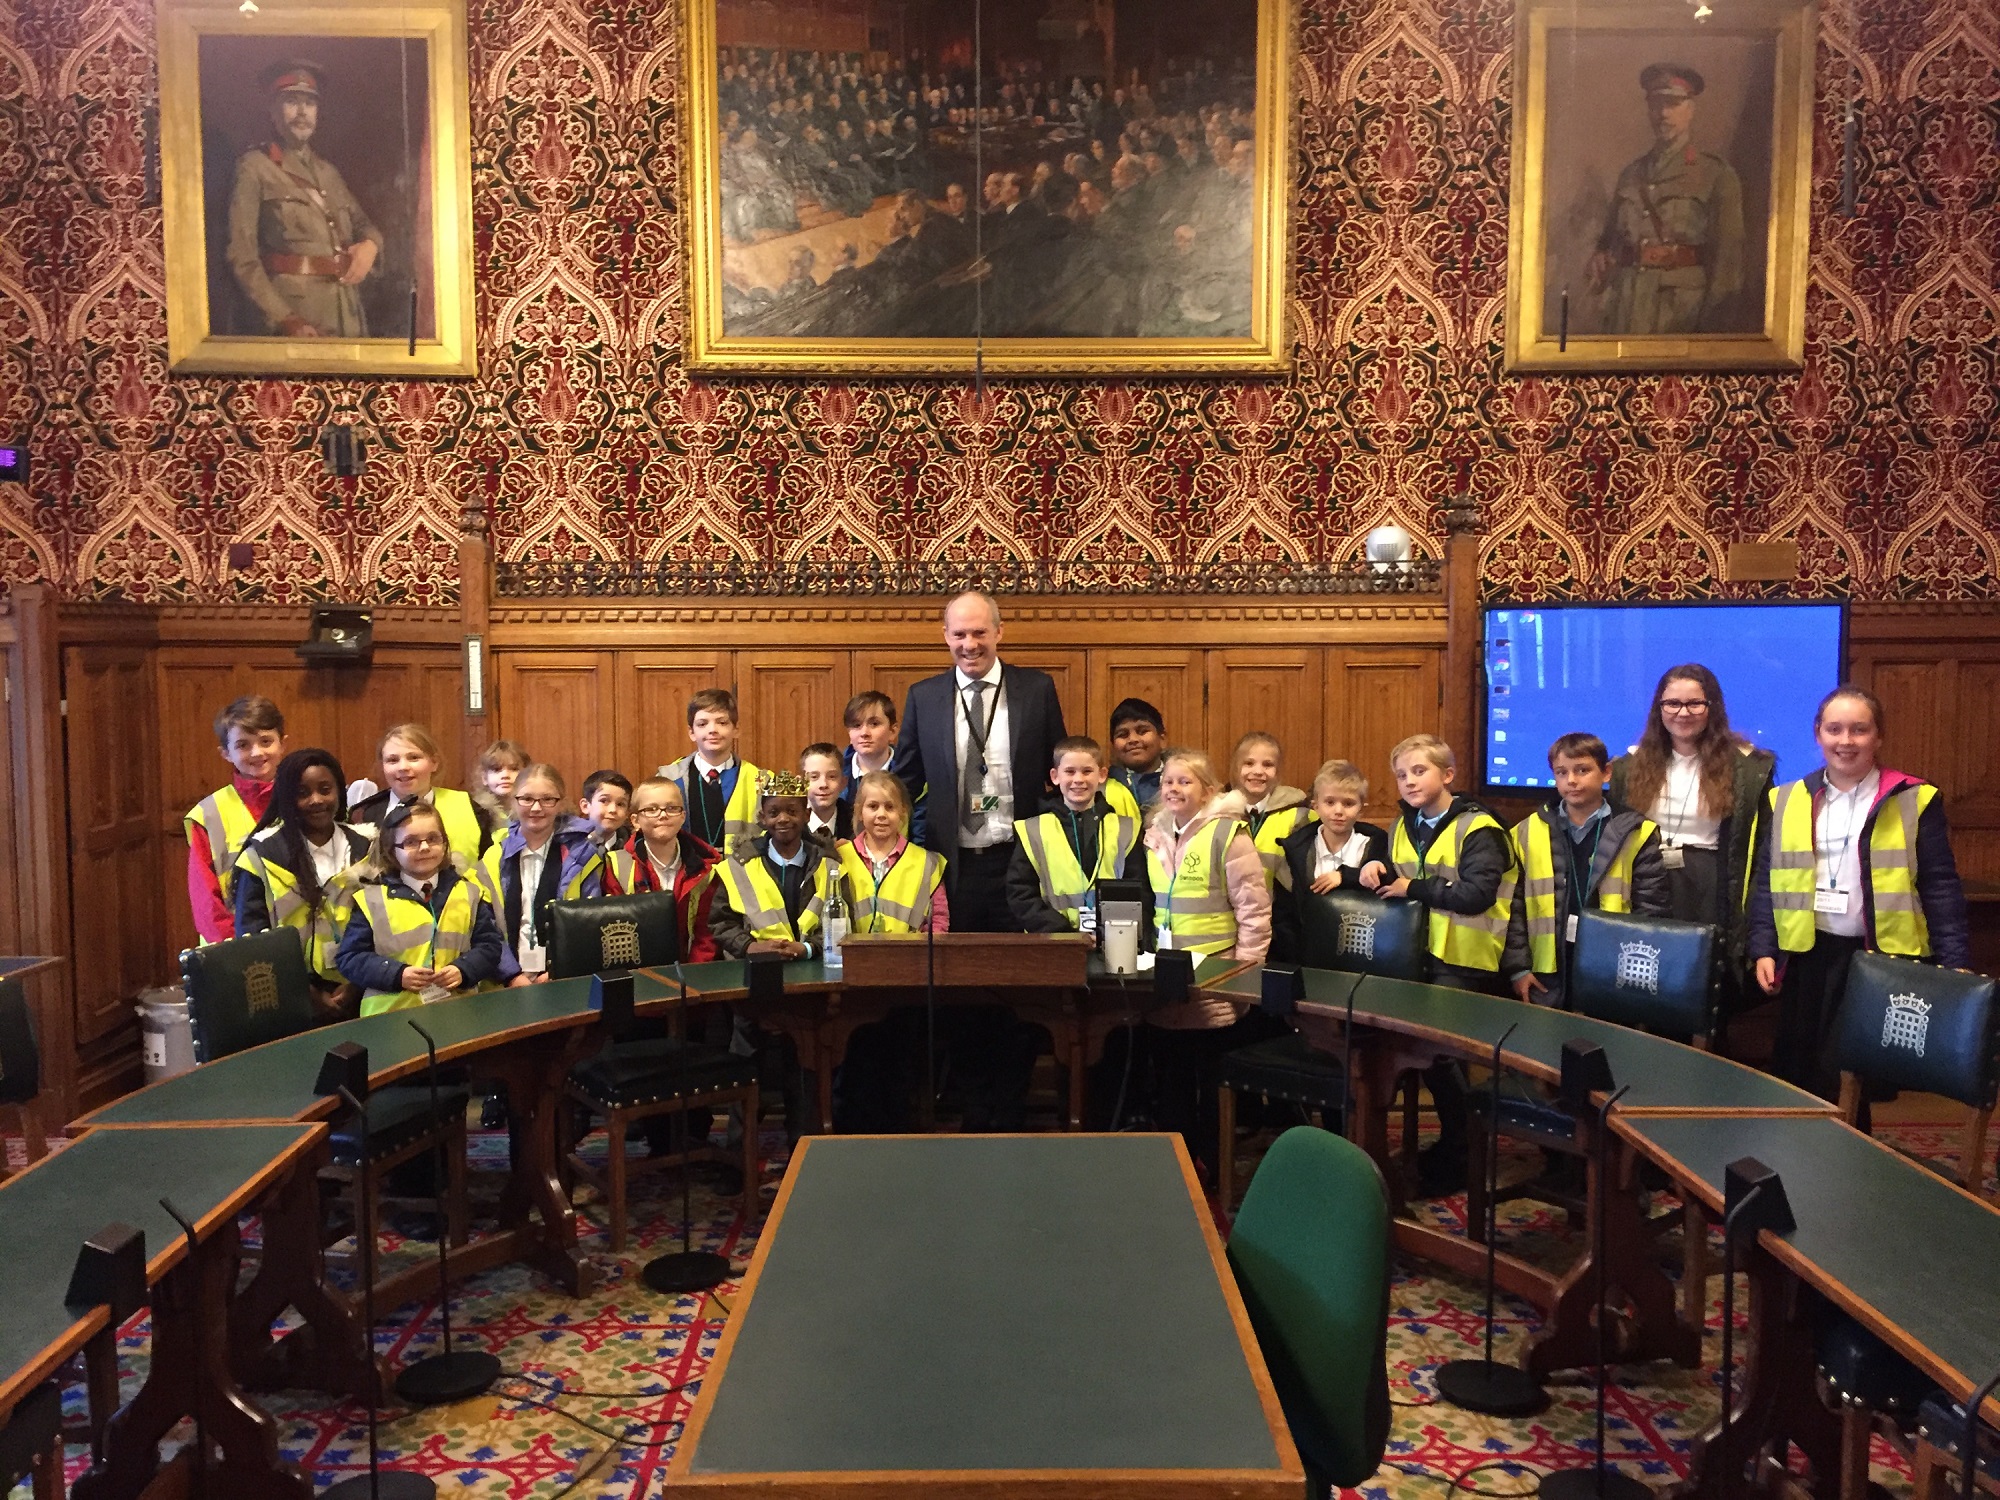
(972, 775)
(425, 893)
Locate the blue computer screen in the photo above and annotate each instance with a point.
(1551, 670)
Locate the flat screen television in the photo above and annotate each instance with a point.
(1555, 668)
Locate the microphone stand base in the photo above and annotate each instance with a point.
(443, 1379)
(1584, 1484)
(685, 1271)
(388, 1484)
(1491, 1388)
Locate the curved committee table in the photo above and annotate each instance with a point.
(1907, 1253)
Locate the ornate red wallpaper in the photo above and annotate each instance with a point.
(583, 437)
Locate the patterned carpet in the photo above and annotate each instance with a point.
(597, 1388)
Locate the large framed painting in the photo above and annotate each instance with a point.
(1662, 175)
(317, 187)
(1026, 186)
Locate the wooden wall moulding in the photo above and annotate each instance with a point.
(1042, 620)
(248, 624)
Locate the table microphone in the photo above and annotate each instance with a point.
(441, 1379)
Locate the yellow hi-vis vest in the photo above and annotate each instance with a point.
(223, 816)
(287, 904)
(405, 932)
(1470, 942)
(1900, 927)
(1121, 799)
(739, 813)
(1271, 834)
(1064, 884)
(752, 890)
(1538, 884)
(902, 903)
(462, 828)
(1192, 902)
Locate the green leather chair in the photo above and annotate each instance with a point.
(648, 1072)
(1311, 1252)
(246, 991)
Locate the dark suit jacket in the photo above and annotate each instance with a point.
(927, 750)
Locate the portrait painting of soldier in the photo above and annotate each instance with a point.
(1087, 172)
(317, 219)
(1658, 184)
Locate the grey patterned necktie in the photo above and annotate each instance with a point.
(972, 775)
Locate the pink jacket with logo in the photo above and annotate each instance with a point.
(1249, 897)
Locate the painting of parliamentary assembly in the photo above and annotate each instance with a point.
(1662, 172)
(314, 171)
(1083, 186)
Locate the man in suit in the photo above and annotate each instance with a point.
(981, 737)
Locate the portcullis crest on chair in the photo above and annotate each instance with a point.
(1638, 967)
(1906, 1023)
(618, 945)
(1357, 934)
(260, 988)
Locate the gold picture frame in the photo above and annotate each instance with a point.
(1624, 252)
(255, 201)
(1070, 320)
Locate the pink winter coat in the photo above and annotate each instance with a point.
(1249, 897)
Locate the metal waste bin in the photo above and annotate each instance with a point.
(166, 1036)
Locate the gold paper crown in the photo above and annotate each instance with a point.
(780, 784)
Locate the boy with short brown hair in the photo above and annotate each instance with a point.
(250, 733)
(720, 788)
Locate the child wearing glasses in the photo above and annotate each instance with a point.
(1705, 786)
(545, 856)
(422, 931)
(663, 855)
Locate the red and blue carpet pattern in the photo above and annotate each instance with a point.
(597, 1387)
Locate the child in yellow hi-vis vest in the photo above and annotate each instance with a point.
(251, 735)
(422, 931)
(1578, 852)
(1451, 854)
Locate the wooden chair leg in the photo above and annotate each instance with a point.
(1225, 1151)
(48, 1472)
(1694, 1264)
(614, 1137)
(1410, 1089)
(1928, 1469)
(753, 1164)
(1857, 1426)
(1972, 1154)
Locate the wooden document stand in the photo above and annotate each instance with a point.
(983, 960)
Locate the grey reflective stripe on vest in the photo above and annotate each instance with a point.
(220, 855)
(1791, 901)
(1038, 856)
(446, 946)
(1539, 885)
(744, 896)
(1897, 901)
(1782, 858)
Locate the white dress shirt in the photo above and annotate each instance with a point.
(531, 953)
(1351, 853)
(1677, 809)
(330, 858)
(998, 824)
(1837, 853)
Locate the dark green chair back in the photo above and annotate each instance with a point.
(1909, 1025)
(612, 932)
(1649, 973)
(1360, 932)
(1311, 1254)
(20, 1058)
(247, 991)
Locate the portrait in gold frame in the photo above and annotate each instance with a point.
(769, 319)
(1662, 177)
(259, 192)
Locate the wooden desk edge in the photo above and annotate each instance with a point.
(996, 1484)
(1808, 1270)
(19, 1382)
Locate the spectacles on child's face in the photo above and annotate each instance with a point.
(532, 801)
(657, 812)
(1684, 705)
(421, 841)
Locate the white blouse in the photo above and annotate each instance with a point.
(1678, 807)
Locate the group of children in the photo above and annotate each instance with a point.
(419, 891)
